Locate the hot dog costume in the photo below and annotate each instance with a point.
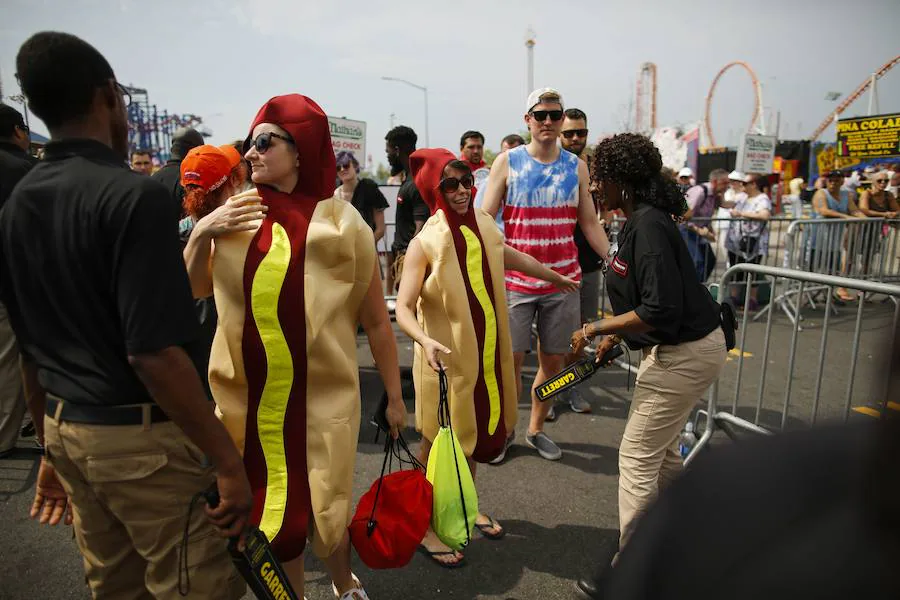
(283, 369)
(462, 305)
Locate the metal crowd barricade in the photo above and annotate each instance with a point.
(774, 254)
(728, 421)
(857, 248)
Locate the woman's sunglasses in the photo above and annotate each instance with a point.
(345, 167)
(451, 184)
(264, 141)
(541, 115)
(881, 181)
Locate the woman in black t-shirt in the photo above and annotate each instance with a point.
(661, 309)
(363, 193)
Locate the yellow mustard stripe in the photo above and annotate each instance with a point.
(264, 293)
(476, 278)
(867, 410)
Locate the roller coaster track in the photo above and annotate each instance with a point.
(854, 97)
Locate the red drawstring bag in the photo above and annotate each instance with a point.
(392, 517)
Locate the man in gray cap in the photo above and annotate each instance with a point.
(170, 174)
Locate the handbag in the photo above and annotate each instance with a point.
(455, 499)
(392, 517)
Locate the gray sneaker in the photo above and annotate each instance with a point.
(551, 414)
(577, 402)
(544, 445)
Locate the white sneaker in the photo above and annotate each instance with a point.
(357, 593)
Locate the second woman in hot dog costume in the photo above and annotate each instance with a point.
(454, 279)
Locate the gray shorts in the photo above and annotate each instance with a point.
(590, 296)
(557, 318)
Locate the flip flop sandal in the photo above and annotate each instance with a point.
(356, 593)
(484, 529)
(433, 557)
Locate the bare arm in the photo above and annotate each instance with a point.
(629, 322)
(854, 210)
(239, 213)
(587, 215)
(415, 267)
(379, 225)
(496, 185)
(35, 396)
(51, 503)
(375, 320)
(519, 261)
(197, 258)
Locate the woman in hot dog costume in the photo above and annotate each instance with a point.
(283, 371)
(454, 278)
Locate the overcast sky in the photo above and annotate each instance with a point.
(222, 59)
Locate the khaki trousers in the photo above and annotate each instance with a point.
(130, 488)
(12, 396)
(670, 381)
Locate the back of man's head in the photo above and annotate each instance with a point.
(59, 74)
(10, 119)
(183, 140)
(403, 138)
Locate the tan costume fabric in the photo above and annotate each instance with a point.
(338, 268)
(444, 313)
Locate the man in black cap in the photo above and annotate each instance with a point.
(170, 174)
(15, 162)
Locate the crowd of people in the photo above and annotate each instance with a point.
(207, 333)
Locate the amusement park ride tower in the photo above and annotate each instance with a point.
(150, 128)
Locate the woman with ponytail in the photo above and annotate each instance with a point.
(661, 309)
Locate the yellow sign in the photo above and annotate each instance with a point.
(869, 137)
(827, 160)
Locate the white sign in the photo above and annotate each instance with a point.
(347, 135)
(756, 154)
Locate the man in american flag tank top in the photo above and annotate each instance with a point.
(544, 193)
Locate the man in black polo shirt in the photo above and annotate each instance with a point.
(169, 174)
(412, 212)
(100, 301)
(15, 162)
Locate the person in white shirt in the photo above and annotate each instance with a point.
(748, 236)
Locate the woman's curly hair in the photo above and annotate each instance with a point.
(634, 161)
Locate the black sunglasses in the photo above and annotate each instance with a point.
(541, 115)
(345, 166)
(881, 181)
(451, 184)
(570, 133)
(264, 141)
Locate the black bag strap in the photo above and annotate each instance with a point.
(444, 420)
(392, 449)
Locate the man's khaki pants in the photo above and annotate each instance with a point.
(670, 381)
(131, 487)
(12, 397)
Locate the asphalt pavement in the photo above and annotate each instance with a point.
(560, 516)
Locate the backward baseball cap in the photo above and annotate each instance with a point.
(543, 95)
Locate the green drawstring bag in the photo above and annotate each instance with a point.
(455, 500)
